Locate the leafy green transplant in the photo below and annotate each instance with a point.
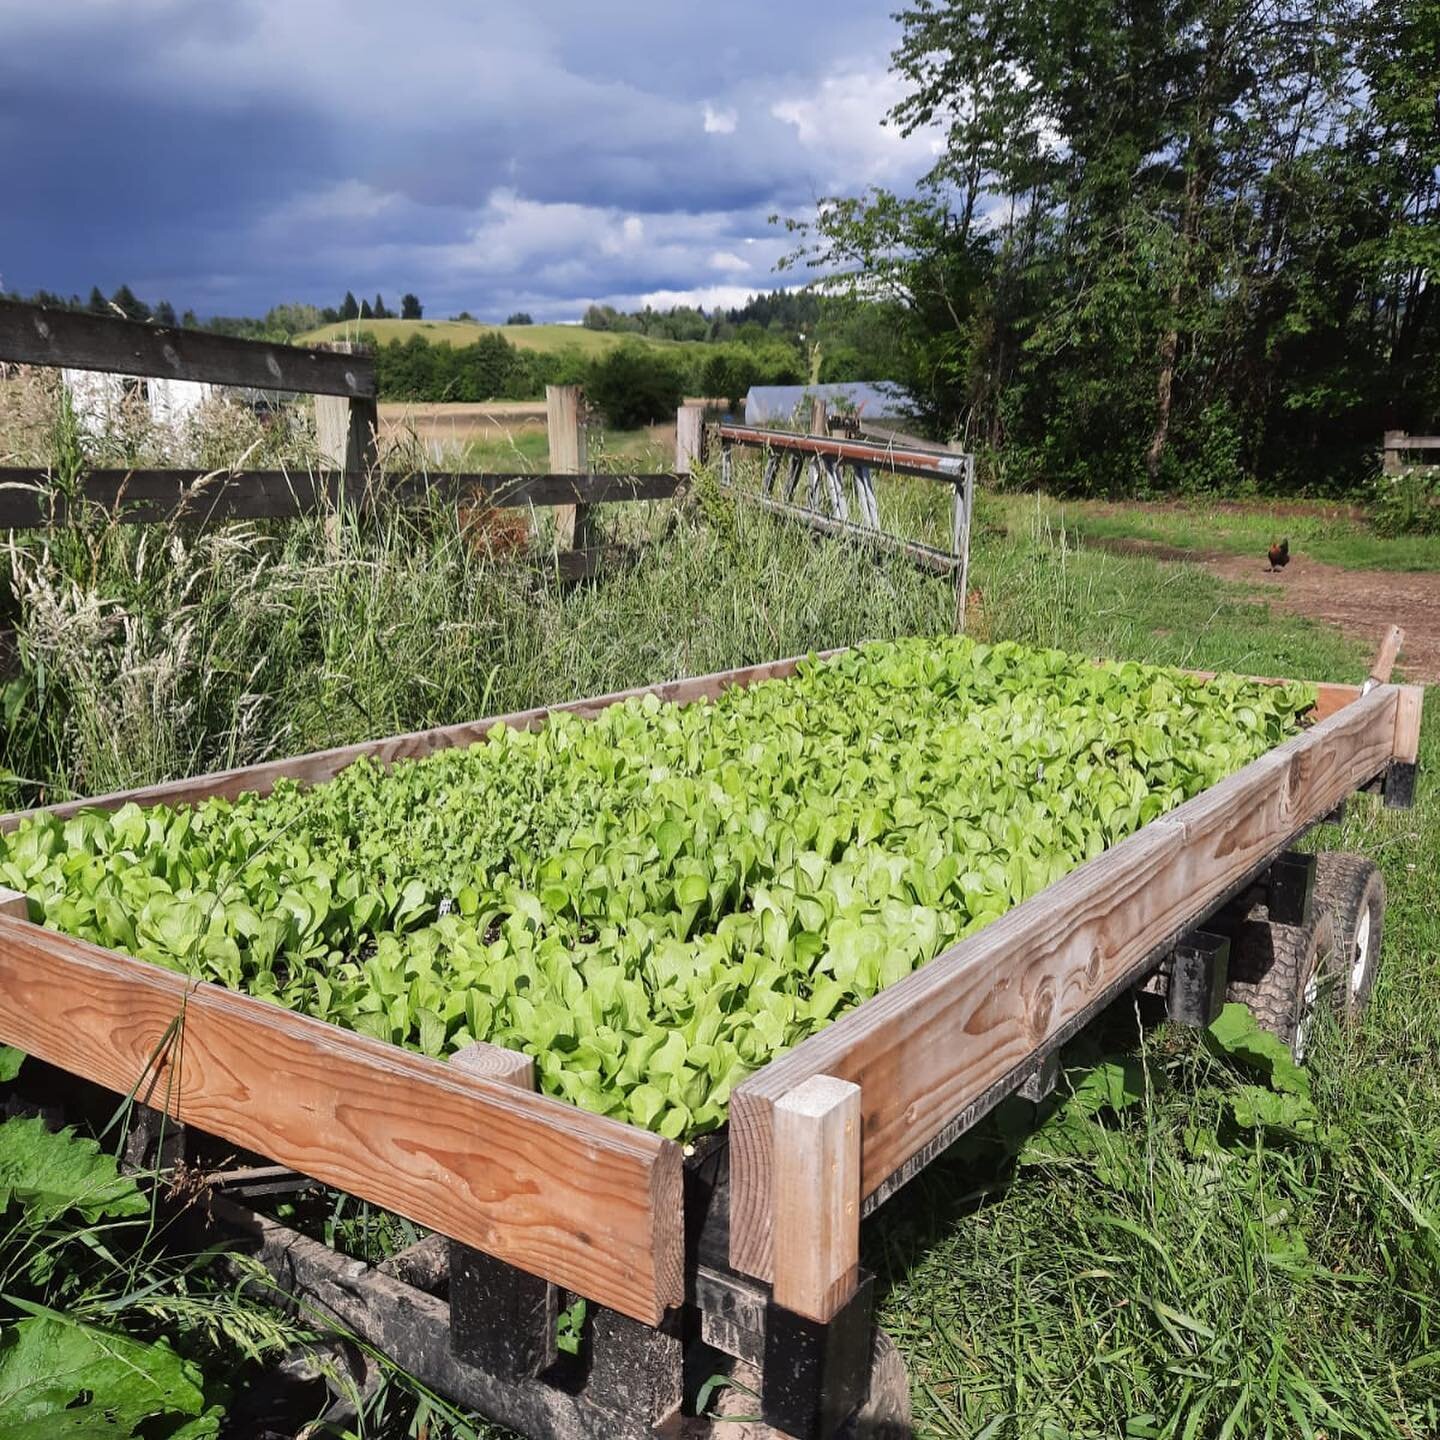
(656, 902)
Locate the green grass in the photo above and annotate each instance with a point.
(1186, 1280)
(528, 449)
(464, 332)
(1324, 531)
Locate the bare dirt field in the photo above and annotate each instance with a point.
(1359, 602)
(459, 424)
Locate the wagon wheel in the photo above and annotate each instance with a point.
(1352, 889)
(1277, 970)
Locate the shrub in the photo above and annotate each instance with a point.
(1407, 503)
(634, 386)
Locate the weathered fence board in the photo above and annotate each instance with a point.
(33, 335)
(29, 499)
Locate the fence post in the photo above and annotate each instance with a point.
(963, 513)
(816, 1169)
(819, 416)
(689, 438)
(1390, 463)
(567, 457)
(347, 434)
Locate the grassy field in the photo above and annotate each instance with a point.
(1332, 532)
(466, 332)
(1147, 1261)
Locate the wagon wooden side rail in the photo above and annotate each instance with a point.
(751, 1248)
(931, 1053)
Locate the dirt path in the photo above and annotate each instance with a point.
(1359, 602)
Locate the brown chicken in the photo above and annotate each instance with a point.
(1279, 555)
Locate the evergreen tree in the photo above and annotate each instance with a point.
(98, 304)
(164, 313)
(410, 307)
(129, 304)
(366, 313)
(349, 310)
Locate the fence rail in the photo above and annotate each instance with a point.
(29, 499)
(33, 335)
(1398, 444)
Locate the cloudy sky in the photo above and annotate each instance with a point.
(491, 155)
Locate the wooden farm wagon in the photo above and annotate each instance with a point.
(747, 1244)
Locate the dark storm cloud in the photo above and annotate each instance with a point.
(239, 152)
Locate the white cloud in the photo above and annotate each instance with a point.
(842, 119)
(708, 297)
(524, 157)
(720, 122)
(346, 200)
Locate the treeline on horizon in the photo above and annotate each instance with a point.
(782, 338)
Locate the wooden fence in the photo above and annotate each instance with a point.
(1398, 445)
(351, 475)
(346, 421)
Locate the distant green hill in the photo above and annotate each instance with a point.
(464, 332)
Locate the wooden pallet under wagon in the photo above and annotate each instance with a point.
(749, 1245)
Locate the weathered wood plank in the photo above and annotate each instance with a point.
(565, 426)
(79, 340)
(589, 1203)
(1387, 654)
(322, 765)
(1407, 723)
(816, 1164)
(933, 1044)
(12, 902)
(29, 501)
(689, 438)
(1399, 440)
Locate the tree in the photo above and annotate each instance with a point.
(410, 307)
(164, 313)
(98, 304)
(129, 304)
(349, 310)
(292, 319)
(1172, 244)
(378, 310)
(366, 313)
(634, 385)
(520, 317)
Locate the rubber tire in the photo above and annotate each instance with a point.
(1277, 970)
(1351, 887)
